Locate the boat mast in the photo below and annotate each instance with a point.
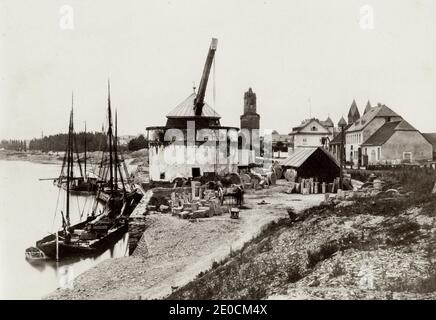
(118, 165)
(85, 176)
(109, 133)
(115, 152)
(69, 162)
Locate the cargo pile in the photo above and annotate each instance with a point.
(311, 185)
(258, 178)
(375, 187)
(186, 202)
(207, 205)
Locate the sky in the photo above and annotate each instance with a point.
(302, 58)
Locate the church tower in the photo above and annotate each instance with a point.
(353, 113)
(250, 119)
(368, 107)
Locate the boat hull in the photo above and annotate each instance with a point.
(92, 247)
(73, 250)
(79, 186)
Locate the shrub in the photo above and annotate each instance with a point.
(325, 251)
(428, 284)
(255, 292)
(338, 270)
(402, 232)
(294, 274)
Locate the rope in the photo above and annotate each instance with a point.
(83, 210)
(78, 206)
(214, 85)
(56, 209)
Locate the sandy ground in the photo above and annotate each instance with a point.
(173, 251)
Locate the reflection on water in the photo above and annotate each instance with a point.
(27, 213)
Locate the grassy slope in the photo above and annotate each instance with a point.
(380, 247)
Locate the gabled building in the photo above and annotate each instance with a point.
(363, 128)
(396, 142)
(381, 136)
(313, 133)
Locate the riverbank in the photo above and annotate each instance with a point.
(36, 157)
(135, 158)
(173, 251)
(376, 247)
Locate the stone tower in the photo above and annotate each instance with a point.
(250, 119)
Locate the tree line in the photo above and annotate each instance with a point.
(137, 143)
(95, 141)
(15, 145)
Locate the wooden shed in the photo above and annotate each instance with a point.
(313, 163)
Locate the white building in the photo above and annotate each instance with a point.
(175, 151)
(313, 133)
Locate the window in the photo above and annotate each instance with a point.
(162, 175)
(313, 128)
(372, 155)
(378, 153)
(407, 157)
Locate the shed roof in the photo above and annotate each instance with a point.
(186, 109)
(300, 156)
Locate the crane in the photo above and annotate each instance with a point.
(199, 99)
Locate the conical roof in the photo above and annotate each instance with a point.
(353, 113)
(368, 107)
(342, 122)
(186, 109)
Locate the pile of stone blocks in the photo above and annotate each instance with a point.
(206, 205)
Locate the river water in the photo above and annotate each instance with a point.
(27, 213)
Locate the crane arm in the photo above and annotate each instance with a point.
(199, 100)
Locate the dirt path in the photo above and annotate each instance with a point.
(173, 251)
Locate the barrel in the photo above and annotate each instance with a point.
(378, 184)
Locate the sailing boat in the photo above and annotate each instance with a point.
(98, 231)
(122, 184)
(81, 184)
